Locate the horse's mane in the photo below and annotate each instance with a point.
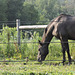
(57, 19)
(64, 15)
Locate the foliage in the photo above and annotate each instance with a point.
(34, 10)
(49, 9)
(13, 9)
(29, 14)
(3, 8)
(10, 10)
(10, 51)
(9, 48)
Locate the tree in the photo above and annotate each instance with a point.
(53, 9)
(13, 9)
(48, 9)
(29, 14)
(3, 8)
(40, 6)
(22, 10)
(69, 6)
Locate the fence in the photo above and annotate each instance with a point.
(18, 34)
(19, 27)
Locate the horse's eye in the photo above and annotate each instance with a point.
(38, 49)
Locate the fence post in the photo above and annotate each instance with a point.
(18, 31)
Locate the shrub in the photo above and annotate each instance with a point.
(29, 47)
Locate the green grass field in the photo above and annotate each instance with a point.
(35, 68)
(11, 52)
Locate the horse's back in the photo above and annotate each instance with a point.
(64, 25)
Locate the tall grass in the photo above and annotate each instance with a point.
(10, 50)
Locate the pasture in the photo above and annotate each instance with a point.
(9, 51)
(35, 68)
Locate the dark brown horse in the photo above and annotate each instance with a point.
(63, 28)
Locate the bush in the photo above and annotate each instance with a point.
(29, 47)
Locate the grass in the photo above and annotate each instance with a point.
(35, 68)
(12, 52)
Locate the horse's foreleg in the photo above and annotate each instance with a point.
(67, 49)
(64, 59)
(63, 51)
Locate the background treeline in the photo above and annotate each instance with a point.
(33, 11)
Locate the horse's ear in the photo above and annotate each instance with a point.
(40, 42)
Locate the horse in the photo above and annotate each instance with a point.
(61, 27)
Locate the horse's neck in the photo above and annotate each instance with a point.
(47, 35)
(47, 38)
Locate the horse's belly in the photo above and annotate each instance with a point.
(71, 34)
(71, 37)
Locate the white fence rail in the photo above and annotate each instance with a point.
(19, 27)
(32, 26)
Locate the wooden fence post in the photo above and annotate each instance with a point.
(18, 31)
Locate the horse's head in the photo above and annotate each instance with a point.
(42, 51)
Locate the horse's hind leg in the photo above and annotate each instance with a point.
(69, 57)
(65, 47)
